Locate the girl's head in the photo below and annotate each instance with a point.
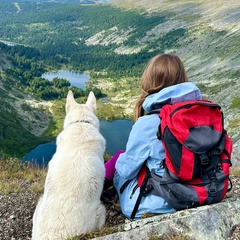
(162, 71)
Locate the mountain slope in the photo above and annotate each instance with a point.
(210, 49)
(114, 41)
(23, 119)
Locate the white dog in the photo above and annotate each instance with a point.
(70, 204)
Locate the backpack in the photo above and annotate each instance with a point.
(198, 156)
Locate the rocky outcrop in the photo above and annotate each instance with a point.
(203, 223)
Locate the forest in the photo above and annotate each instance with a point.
(112, 45)
(60, 34)
(28, 66)
(53, 35)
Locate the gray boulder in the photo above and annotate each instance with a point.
(203, 223)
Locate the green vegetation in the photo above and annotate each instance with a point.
(52, 35)
(61, 32)
(236, 103)
(171, 236)
(233, 125)
(98, 233)
(26, 71)
(16, 176)
(19, 177)
(15, 140)
(99, 39)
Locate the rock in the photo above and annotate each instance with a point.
(12, 217)
(203, 223)
(236, 154)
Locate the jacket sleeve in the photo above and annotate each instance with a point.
(137, 150)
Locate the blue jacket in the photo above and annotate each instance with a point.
(142, 146)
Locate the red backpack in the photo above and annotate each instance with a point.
(198, 155)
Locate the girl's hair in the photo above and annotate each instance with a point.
(162, 71)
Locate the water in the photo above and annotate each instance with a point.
(116, 134)
(76, 79)
(41, 154)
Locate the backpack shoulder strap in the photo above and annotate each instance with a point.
(156, 108)
(137, 204)
(154, 111)
(143, 177)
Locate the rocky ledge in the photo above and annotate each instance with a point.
(203, 223)
(217, 221)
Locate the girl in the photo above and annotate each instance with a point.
(164, 81)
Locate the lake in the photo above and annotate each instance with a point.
(116, 132)
(75, 78)
(116, 135)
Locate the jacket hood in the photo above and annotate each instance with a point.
(176, 93)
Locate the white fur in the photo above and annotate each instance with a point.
(70, 204)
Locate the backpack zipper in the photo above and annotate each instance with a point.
(189, 105)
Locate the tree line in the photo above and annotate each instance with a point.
(60, 31)
(27, 68)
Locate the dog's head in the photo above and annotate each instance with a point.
(76, 112)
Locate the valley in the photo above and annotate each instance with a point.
(113, 42)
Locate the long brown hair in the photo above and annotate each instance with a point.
(162, 71)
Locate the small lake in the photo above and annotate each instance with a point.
(116, 134)
(75, 78)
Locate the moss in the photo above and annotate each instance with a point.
(235, 103)
(171, 236)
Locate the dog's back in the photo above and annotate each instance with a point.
(71, 203)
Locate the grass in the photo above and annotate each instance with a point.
(235, 171)
(235, 103)
(233, 126)
(98, 233)
(57, 118)
(18, 177)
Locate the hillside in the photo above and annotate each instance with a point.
(23, 118)
(210, 50)
(205, 34)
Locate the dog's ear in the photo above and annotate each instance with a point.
(70, 101)
(91, 101)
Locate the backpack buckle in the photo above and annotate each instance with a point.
(147, 189)
(213, 188)
(162, 163)
(204, 159)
